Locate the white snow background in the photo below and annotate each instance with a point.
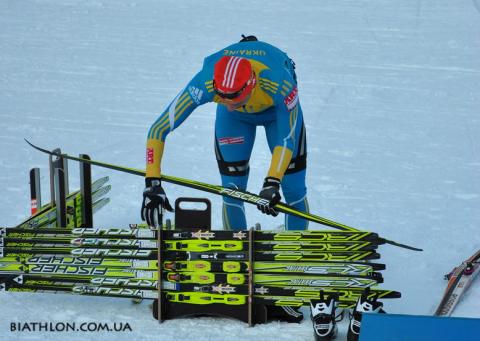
(391, 99)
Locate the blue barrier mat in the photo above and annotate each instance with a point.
(393, 327)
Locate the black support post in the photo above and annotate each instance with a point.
(86, 190)
(35, 191)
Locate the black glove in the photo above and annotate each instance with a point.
(154, 201)
(271, 192)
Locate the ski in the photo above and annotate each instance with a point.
(77, 232)
(79, 289)
(300, 256)
(84, 266)
(99, 204)
(188, 245)
(179, 255)
(235, 245)
(100, 193)
(266, 235)
(350, 268)
(80, 261)
(306, 256)
(346, 281)
(178, 297)
(204, 246)
(78, 242)
(312, 236)
(85, 252)
(459, 281)
(350, 294)
(219, 190)
(327, 280)
(237, 299)
(77, 272)
(231, 248)
(20, 284)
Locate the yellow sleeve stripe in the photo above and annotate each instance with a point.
(209, 85)
(189, 103)
(159, 124)
(268, 88)
(266, 80)
(286, 88)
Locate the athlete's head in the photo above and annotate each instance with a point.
(233, 79)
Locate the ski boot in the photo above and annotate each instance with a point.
(323, 316)
(364, 305)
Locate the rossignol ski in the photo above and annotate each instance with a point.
(459, 281)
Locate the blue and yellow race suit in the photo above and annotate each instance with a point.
(273, 104)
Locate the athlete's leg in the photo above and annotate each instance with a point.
(293, 182)
(233, 146)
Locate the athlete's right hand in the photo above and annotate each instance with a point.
(154, 202)
(271, 192)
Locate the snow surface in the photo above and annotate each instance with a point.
(390, 93)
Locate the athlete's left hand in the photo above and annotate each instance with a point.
(271, 192)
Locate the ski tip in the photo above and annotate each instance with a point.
(38, 148)
(408, 247)
(31, 144)
(56, 152)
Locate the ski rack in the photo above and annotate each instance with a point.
(59, 191)
(250, 313)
